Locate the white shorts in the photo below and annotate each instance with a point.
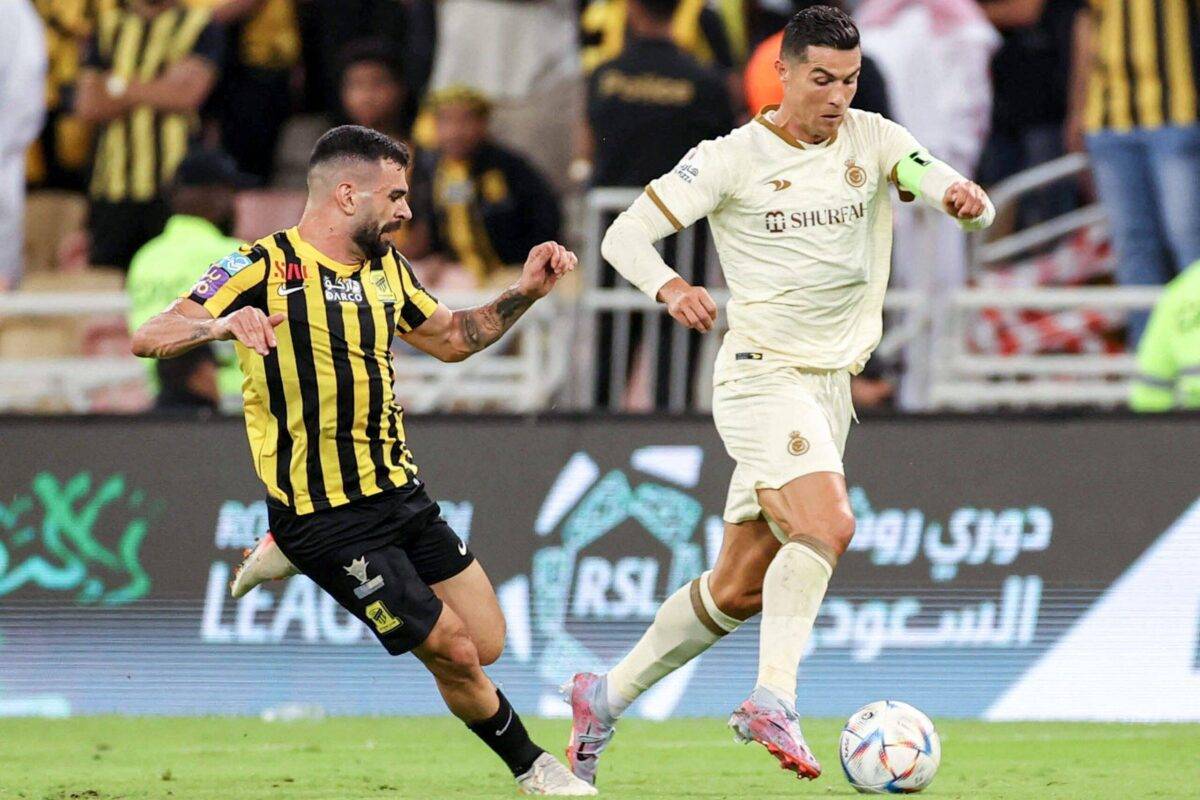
(778, 425)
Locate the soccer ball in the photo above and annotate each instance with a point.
(889, 748)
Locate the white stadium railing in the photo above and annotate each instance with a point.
(608, 348)
(521, 375)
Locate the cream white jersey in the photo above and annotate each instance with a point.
(803, 233)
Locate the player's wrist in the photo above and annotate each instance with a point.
(672, 289)
(528, 291)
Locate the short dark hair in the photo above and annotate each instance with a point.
(659, 10)
(823, 26)
(360, 144)
(372, 51)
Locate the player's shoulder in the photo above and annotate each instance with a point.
(865, 121)
(871, 128)
(729, 145)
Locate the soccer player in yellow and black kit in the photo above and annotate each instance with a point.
(314, 310)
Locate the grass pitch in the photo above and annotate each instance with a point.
(99, 758)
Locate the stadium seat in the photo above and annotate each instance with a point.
(261, 212)
(296, 142)
(95, 279)
(50, 215)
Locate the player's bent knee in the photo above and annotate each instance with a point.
(490, 649)
(840, 530)
(455, 658)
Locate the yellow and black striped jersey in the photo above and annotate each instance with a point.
(324, 425)
(137, 153)
(1144, 74)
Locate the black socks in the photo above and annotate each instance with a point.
(506, 735)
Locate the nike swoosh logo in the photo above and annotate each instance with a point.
(510, 718)
(780, 184)
(462, 547)
(285, 292)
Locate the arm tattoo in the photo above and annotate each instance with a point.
(483, 325)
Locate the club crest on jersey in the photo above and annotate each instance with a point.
(381, 618)
(343, 290)
(383, 288)
(797, 444)
(856, 176)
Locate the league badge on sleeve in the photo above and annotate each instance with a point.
(218, 273)
(233, 263)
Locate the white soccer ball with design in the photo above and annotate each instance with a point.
(889, 747)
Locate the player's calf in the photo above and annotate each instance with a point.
(451, 656)
(738, 600)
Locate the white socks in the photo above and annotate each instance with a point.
(687, 624)
(793, 589)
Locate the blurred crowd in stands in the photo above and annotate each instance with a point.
(515, 107)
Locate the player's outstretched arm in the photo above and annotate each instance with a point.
(456, 335)
(186, 325)
(943, 188)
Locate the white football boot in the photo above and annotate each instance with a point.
(549, 776)
(265, 562)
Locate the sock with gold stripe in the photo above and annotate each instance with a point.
(687, 624)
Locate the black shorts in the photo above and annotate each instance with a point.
(377, 557)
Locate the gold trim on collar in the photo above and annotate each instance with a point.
(787, 137)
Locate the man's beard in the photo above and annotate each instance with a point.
(369, 240)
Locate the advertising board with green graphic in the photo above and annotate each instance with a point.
(992, 564)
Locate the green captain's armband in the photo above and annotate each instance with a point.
(911, 169)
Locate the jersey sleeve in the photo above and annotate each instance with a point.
(417, 304)
(237, 280)
(695, 188)
(895, 143)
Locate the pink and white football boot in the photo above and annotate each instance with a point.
(592, 728)
(264, 562)
(773, 723)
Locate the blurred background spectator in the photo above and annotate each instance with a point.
(935, 57)
(197, 234)
(696, 28)
(651, 91)
(516, 109)
(22, 99)
(61, 156)
(150, 65)
(523, 55)
(478, 207)
(1134, 98)
(1169, 352)
(253, 98)
(404, 27)
(373, 90)
(1027, 125)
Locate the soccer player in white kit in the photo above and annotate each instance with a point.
(798, 204)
